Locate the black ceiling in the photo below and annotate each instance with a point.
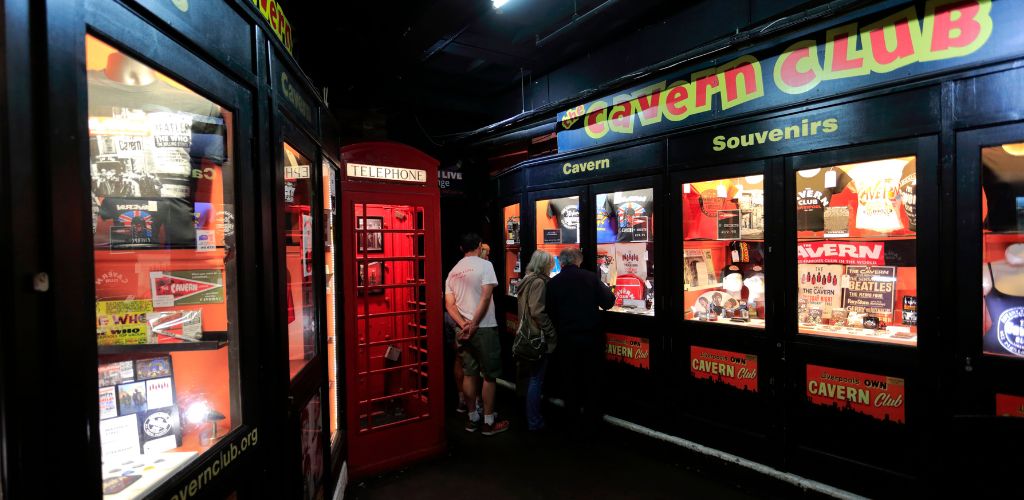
(453, 64)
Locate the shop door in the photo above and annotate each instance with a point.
(391, 278)
(988, 370)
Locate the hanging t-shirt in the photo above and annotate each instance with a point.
(813, 196)
(908, 194)
(607, 226)
(701, 205)
(146, 223)
(633, 211)
(567, 212)
(878, 201)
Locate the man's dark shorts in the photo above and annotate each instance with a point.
(482, 353)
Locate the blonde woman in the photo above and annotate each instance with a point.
(535, 324)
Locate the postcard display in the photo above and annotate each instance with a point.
(160, 162)
(513, 256)
(625, 245)
(723, 251)
(856, 242)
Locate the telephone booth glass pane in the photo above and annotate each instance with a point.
(856, 251)
(723, 251)
(391, 315)
(298, 251)
(625, 248)
(513, 258)
(1002, 198)
(161, 162)
(558, 226)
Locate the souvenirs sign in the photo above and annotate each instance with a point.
(726, 367)
(876, 396)
(871, 290)
(884, 46)
(177, 288)
(633, 351)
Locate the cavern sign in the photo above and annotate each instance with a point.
(886, 46)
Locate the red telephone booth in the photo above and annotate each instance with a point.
(392, 306)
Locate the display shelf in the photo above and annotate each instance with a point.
(202, 345)
(849, 333)
(753, 323)
(710, 286)
(148, 471)
(633, 311)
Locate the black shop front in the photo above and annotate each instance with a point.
(832, 218)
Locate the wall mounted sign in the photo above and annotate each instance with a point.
(633, 351)
(876, 396)
(390, 174)
(725, 367)
(274, 15)
(608, 164)
(881, 47)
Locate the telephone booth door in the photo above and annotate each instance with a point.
(392, 300)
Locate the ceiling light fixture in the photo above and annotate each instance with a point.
(498, 3)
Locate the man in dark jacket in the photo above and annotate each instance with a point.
(573, 299)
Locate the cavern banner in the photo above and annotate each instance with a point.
(890, 44)
(633, 351)
(731, 368)
(876, 396)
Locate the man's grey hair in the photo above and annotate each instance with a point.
(571, 255)
(539, 262)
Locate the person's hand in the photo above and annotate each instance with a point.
(468, 331)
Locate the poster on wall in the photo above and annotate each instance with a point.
(734, 369)
(820, 285)
(698, 268)
(876, 396)
(1008, 405)
(633, 351)
(871, 290)
(122, 321)
(178, 288)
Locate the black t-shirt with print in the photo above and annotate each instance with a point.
(146, 223)
(567, 211)
(812, 197)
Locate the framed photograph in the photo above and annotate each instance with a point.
(371, 274)
(371, 241)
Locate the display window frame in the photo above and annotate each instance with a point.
(654, 183)
(526, 238)
(716, 333)
(925, 150)
(311, 378)
(117, 26)
(982, 375)
(585, 223)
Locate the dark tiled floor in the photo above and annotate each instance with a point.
(520, 465)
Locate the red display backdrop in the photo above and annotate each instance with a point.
(1008, 405)
(877, 396)
(735, 369)
(633, 351)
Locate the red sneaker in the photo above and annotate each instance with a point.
(496, 427)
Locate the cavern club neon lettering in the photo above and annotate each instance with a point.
(942, 30)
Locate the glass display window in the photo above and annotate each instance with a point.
(513, 255)
(298, 251)
(392, 368)
(165, 256)
(625, 248)
(1002, 211)
(330, 193)
(856, 250)
(558, 226)
(724, 251)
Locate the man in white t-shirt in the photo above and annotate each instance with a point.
(469, 301)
